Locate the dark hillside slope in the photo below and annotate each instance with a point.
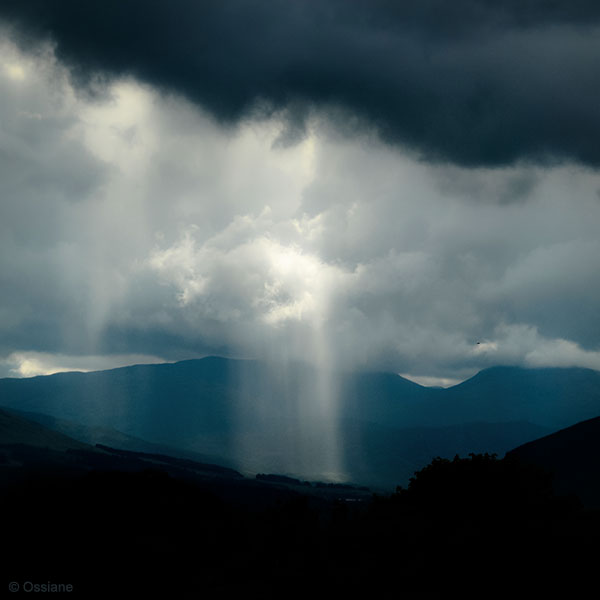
(573, 456)
(93, 435)
(554, 398)
(17, 430)
(384, 398)
(155, 402)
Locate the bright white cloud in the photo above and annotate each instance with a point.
(562, 353)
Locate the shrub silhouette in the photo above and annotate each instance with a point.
(479, 486)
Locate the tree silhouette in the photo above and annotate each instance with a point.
(480, 486)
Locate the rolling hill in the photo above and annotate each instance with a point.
(18, 430)
(573, 456)
(246, 414)
(106, 436)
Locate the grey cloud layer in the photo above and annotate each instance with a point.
(471, 82)
(134, 224)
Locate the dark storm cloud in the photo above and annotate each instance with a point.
(474, 83)
(135, 228)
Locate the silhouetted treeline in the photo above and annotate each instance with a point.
(483, 487)
(474, 527)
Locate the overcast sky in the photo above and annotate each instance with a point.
(408, 186)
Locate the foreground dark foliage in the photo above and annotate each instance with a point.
(474, 527)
